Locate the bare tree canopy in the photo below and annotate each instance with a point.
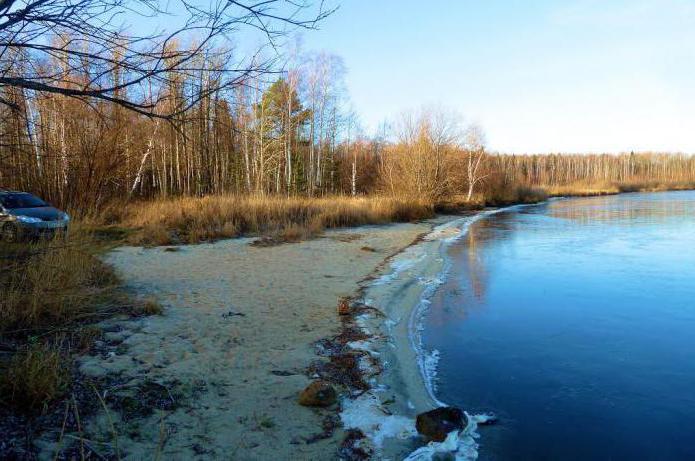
(82, 48)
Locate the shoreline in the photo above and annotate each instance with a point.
(391, 270)
(386, 387)
(406, 385)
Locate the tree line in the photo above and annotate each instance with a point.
(291, 136)
(91, 114)
(277, 137)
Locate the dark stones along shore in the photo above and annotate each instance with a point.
(438, 423)
(318, 394)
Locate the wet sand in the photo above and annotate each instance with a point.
(231, 350)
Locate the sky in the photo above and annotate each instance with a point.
(538, 76)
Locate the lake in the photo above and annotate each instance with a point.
(574, 322)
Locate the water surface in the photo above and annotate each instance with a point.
(574, 322)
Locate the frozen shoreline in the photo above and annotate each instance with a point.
(386, 414)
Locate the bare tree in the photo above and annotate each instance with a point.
(351, 125)
(474, 146)
(419, 164)
(95, 41)
(324, 88)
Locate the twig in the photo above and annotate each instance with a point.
(162, 438)
(62, 431)
(79, 427)
(85, 442)
(113, 427)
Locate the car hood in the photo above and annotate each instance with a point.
(45, 213)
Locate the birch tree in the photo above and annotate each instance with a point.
(474, 148)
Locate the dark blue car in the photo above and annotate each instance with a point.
(25, 215)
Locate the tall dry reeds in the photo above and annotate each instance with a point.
(190, 220)
(594, 188)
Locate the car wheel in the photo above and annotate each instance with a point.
(10, 233)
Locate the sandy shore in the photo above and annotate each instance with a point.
(226, 361)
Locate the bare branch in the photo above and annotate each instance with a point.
(73, 47)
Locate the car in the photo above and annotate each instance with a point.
(23, 215)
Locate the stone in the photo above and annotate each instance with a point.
(344, 306)
(318, 394)
(438, 423)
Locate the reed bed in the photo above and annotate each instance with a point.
(588, 189)
(182, 220)
(193, 220)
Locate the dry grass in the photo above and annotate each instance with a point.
(53, 294)
(192, 220)
(34, 377)
(515, 195)
(655, 186)
(50, 291)
(584, 189)
(458, 203)
(147, 308)
(281, 219)
(51, 284)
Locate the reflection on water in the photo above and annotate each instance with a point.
(600, 210)
(574, 321)
(477, 274)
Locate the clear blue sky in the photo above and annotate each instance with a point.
(539, 76)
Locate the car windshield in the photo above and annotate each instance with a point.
(11, 201)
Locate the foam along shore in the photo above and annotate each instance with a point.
(406, 387)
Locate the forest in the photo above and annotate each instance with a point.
(293, 136)
(95, 116)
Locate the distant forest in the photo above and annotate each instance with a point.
(90, 116)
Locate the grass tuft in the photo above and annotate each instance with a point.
(53, 294)
(49, 285)
(35, 377)
(148, 307)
